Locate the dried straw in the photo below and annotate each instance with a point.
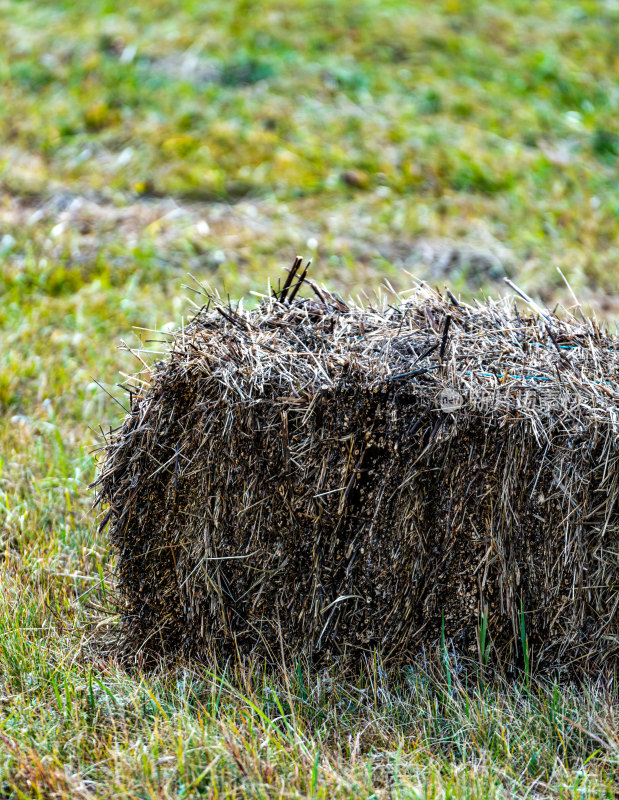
(290, 483)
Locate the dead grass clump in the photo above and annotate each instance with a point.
(296, 480)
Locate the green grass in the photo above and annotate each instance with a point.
(452, 140)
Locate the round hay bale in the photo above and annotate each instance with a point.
(317, 479)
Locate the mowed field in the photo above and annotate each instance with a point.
(452, 141)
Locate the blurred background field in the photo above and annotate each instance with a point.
(455, 141)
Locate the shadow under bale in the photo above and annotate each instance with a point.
(316, 479)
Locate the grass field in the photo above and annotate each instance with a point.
(453, 140)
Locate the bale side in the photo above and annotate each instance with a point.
(289, 481)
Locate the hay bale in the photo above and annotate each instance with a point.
(298, 478)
